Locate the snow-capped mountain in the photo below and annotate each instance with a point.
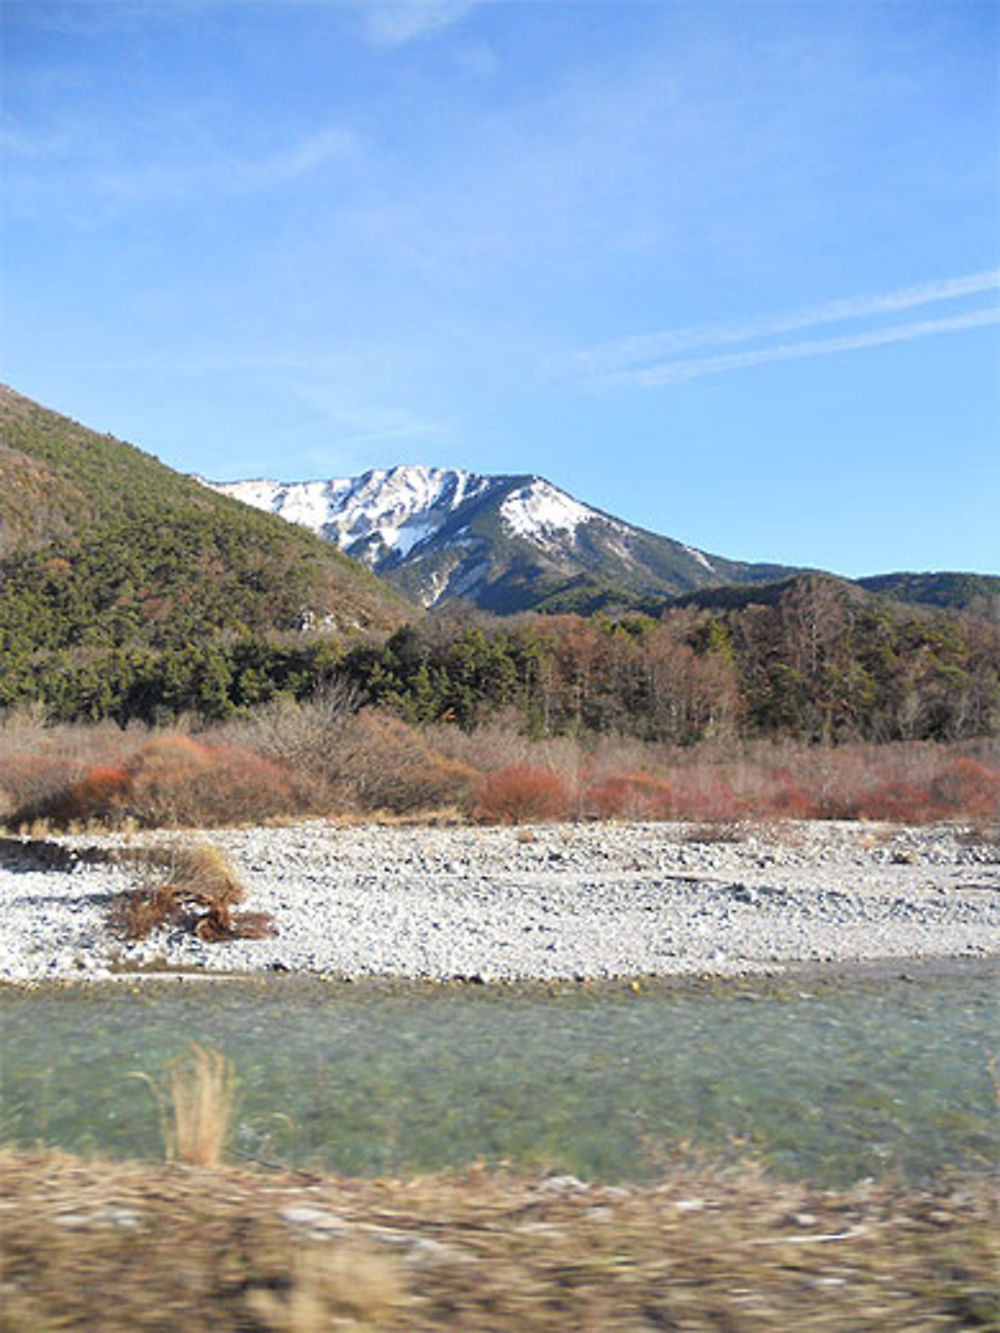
(505, 543)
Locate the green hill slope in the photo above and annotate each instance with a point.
(104, 545)
(948, 590)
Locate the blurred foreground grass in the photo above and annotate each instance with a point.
(121, 1247)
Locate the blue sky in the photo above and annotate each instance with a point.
(727, 270)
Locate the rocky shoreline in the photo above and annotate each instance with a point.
(553, 902)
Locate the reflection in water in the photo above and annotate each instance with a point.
(833, 1083)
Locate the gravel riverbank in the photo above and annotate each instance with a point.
(560, 901)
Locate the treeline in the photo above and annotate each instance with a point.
(818, 665)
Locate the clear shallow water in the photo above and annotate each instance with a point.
(830, 1082)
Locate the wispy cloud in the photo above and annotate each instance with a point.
(394, 22)
(197, 178)
(624, 352)
(675, 372)
(175, 178)
(652, 360)
(297, 159)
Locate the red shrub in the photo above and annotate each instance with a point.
(782, 797)
(967, 787)
(899, 802)
(100, 794)
(704, 794)
(520, 794)
(963, 789)
(630, 796)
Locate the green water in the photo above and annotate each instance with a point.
(830, 1082)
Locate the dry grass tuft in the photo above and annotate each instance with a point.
(195, 1105)
(201, 1086)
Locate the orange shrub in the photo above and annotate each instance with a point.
(520, 794)
(101, 793)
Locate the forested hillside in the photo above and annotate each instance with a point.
(103, 548)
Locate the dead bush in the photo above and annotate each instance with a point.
(782, 796)
(382, 763)
(898, 802)
(193, 887)
(304, 735)
(705, 794)
(967, 788)
(31, 783)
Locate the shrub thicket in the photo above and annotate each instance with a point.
(373, 761)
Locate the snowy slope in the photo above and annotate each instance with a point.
(378, 517)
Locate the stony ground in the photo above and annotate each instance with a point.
(558, 901)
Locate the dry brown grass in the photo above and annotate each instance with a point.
(126, 1247)
(195, 1105)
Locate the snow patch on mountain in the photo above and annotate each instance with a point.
(393, 510)
(539, 512)
(701, 557)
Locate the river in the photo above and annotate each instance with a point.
(830, 1080)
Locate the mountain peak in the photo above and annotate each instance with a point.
(505, 542)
